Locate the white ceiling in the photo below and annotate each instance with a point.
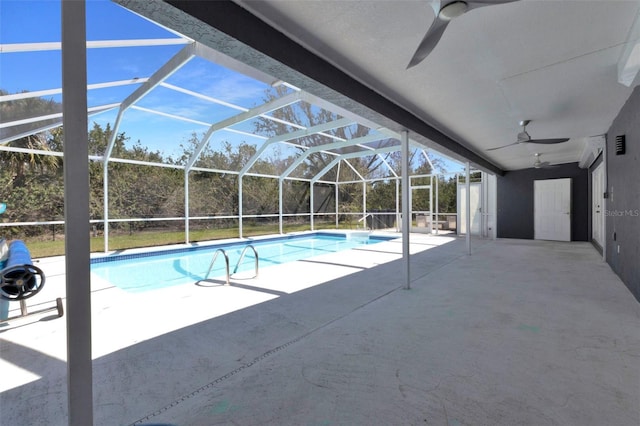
(550, 61)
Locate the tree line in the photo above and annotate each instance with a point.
(33, 188)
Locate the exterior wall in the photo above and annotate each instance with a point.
(592, 167)
(622, 207)
(515, 201)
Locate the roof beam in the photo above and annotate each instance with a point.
(216, 57)
(91, 111)
(333, 162)
(94, 110)
(353, 168)
(294, 135)
(51, 92)
(203, 97)
(165, 114)
(227, 104)
(332, 145)
(95, 44)
(171, 66)
(239, 118)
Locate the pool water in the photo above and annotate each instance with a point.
(149, 271)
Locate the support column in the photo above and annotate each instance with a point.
(337, 211)
(105, 207)
(431, 205)
(364, 205)
(240, 207)
(605, 203)
(485, 209)
(468, 206)
(311, 205)
(406, 209)
(398, 219)
(186, 206)
(76, 213)
(280, 204)
(437, 205)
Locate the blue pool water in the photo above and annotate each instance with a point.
(149, 271)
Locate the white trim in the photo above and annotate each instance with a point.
(94, 44)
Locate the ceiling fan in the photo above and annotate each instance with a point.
(445, 11)
(524, 137)
(541, 164)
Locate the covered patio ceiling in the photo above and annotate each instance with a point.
(568, 66)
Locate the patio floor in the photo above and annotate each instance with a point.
(520, 332)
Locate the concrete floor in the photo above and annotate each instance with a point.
(519, 333)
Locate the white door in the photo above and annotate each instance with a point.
(476, 216)
(597, 200)
(552, 209)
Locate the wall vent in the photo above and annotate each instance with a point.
(620, 145)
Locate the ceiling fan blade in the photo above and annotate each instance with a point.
(545, 165)
(503, 146)
(547, 141)
(479, 3)
(440, 23)
(431, 38)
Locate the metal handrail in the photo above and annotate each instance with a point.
(364, 217)
(244, 251)
(226, 261)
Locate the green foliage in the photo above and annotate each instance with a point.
(447, 195)
(33, 188)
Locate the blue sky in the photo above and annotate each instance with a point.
(29, 21)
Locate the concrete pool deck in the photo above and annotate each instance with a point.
(520, 332)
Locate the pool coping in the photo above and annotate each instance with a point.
(142, 252)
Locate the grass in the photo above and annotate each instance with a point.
(151, 238)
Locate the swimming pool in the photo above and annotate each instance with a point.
(154, 270)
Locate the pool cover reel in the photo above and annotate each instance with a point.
(20, 279)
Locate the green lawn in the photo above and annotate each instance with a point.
(120, 241)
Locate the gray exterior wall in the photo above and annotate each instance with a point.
(592, 167)
(515, 200)
(622, 208)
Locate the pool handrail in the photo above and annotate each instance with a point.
(244, 251)
(226, 261)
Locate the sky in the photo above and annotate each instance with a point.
(27, 21)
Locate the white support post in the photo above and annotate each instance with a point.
(437, 205)
(364, 205)
(187, 237)
(280, 204)
(468, 206)
(311, 204)
(76, 214)
(337, 186)
(105, 206)
(398, 220)
(605, 202)
(431, 204)
(240, 210)
(406, 209)
(458, 205)
(483, 205)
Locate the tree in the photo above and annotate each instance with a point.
(307, 115)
